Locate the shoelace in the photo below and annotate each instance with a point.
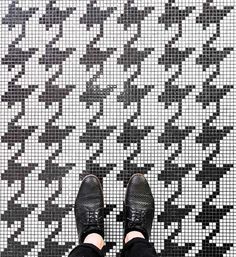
(91, 218)
(137, 218)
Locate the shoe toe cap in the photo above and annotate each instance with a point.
(90, 184)
(139, 191)
(90, 193)
(139, 184)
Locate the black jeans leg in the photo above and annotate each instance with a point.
(138, 247)
(86, 250)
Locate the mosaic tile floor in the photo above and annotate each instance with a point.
(115, 87)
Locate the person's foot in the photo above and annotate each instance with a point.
(89, 208)
(138, 207)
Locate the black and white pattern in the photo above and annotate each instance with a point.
(114, 87)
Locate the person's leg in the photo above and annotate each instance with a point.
(89, 208)
(86, 250)
(138, 247)
(138, 218)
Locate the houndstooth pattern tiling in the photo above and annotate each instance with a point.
(115, 87)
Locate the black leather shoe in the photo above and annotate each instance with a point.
(89, 208)
(138, 206)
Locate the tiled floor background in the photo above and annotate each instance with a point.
(115, 87)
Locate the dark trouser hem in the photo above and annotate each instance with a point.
(86, 250)
(138, 247)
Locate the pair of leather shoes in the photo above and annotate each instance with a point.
(138, 207)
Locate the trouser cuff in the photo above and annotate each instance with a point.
(133, 241)
(83, 246)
